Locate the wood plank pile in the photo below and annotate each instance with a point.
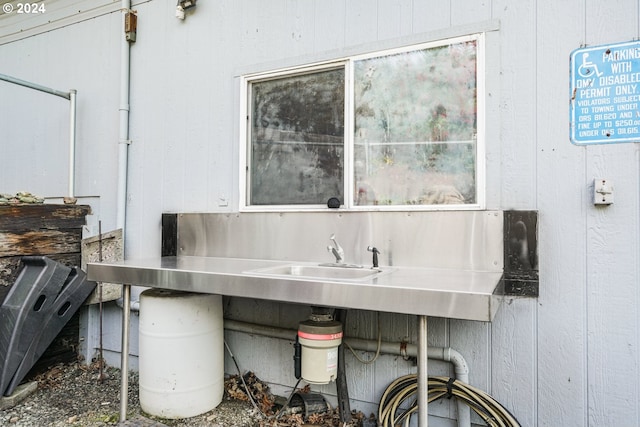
(30, 227)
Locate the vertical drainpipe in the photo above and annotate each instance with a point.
(123, 155)
(72, 144)
(123, 136)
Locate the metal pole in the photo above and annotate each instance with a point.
(423, 376)
(72, 143)
(124, 356)
(65, 95)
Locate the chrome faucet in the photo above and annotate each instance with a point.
(336, 250)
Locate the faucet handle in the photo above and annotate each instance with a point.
(337, 250)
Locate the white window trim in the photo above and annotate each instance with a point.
(347, 63)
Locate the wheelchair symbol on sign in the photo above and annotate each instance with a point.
(588, 68)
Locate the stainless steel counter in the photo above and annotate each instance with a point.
(459, 294)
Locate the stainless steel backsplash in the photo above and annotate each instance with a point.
(442, 239)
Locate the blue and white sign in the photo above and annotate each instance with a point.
(605, 94)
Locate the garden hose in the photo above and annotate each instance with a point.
(399, 401)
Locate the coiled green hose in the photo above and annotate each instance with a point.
(403, 389)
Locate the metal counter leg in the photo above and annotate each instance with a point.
(124, 356)
(423, 376)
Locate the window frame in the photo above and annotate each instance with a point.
(348, 62)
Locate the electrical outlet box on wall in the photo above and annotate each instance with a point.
(602, 191)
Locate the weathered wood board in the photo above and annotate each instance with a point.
(107, 247)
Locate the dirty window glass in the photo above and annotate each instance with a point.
(415, 127)
(297, 139)
(395, 128)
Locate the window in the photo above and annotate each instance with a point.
(385, 130)
(297, 139)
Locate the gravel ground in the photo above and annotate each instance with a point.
(72, 395)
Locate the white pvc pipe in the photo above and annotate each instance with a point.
(72, 144)
(462, 374)
(446, 354)
(133, 306)
(123, 134)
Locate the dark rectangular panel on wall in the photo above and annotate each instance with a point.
(521, 253)
(169, 234)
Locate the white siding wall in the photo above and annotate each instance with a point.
(567, 358)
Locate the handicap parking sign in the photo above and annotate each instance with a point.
(605, 94)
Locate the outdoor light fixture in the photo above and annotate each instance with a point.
(184, 5)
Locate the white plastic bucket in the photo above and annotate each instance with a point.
(181, 346)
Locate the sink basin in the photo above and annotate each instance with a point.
(319, 272)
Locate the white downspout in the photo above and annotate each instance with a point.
(446, 354)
